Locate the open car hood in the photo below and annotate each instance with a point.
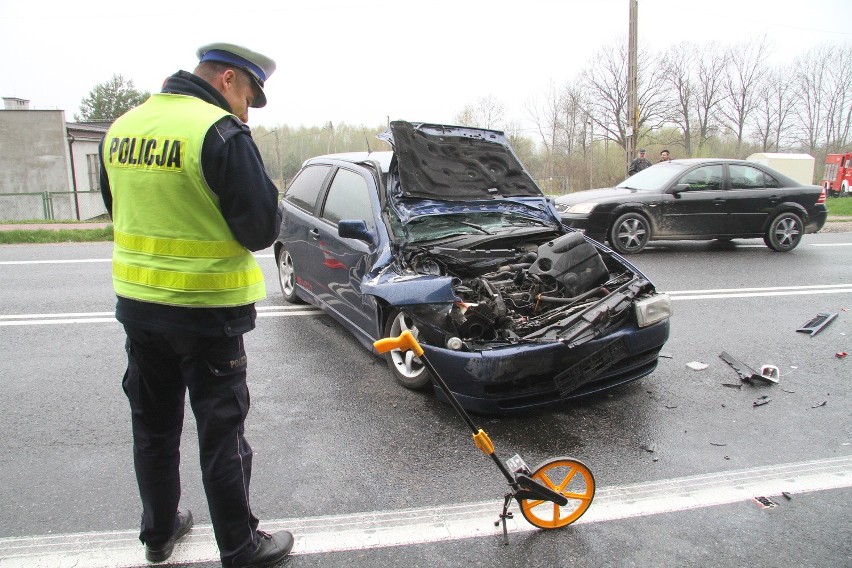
(455, 163)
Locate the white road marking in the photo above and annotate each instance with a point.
(307, 310)
(108, 317)
(380, 529)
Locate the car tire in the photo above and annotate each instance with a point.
(784, 233)
(407, 369)
(287, 277)
(630, 233)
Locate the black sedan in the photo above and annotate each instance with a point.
(449, 237)
(698, 199)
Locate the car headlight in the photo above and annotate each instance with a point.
(651, 310)
(581, 208)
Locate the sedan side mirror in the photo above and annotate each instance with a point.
(355, 229)
(679, 188)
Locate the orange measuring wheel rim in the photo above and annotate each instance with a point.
(568, 477)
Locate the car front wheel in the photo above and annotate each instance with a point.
(785, 232)
(630, 233)
(406, 368)
(287, 277)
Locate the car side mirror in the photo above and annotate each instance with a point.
(679, 188)
(355, 229)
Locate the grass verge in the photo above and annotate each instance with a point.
(839, 206)
(40, 236)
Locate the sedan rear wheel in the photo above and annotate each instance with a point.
(287, 277)
(630, 233)
(407, 369)
(785, 232)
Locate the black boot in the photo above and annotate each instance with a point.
(161, 553)
(273, 548)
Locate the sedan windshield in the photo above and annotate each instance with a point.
(653, 178)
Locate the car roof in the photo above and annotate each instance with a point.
(383, 158)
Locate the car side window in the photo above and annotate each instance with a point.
(747, 177)
(704, 178)
(348, 198)
(303, 190)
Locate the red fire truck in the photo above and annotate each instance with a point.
(837, 179)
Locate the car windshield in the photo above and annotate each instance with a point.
(653, 178)
(431, 227)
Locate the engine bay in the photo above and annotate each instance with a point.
(530, 291)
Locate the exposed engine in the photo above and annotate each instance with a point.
(526, 292)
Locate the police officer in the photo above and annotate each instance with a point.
(189, 198)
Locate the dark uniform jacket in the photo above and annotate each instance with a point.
(232, 167)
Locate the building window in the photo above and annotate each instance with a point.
(93, 164)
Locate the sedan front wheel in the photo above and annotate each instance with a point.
(785, 232)
(407, 368)
(630, 233)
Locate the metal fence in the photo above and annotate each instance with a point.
(51, 206)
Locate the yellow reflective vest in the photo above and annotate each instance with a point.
(172, 244)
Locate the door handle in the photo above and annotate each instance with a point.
(315, 233)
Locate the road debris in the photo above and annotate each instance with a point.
(817, 323)
(732, 385)
(761, 401)
(765, 502)
(697, 365)
(841, 354)
(746, 373)
(787, 496)
(650, 448)
(718, 444)
(823, 403)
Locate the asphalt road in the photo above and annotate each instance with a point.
(366, 473)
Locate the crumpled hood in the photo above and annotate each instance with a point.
(455, 163)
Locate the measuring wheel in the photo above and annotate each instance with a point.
(568, 477)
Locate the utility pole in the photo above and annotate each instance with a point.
(632, 85)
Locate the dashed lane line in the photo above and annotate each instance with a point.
(380, 529)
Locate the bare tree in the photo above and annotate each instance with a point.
(605, 81)
(488, 112)
(740, 86)
(776, 101)
(711, 71)
(678, 76)
(839, 91)
(546, 113)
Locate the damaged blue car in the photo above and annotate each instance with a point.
(449, 236)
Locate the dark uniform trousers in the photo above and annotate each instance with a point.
(161, 368)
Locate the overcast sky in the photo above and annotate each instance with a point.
(363, 61)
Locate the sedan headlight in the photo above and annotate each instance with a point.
(581, 208)
(651, 310)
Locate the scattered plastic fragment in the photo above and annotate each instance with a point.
(765, 502)
(746, 373)
(665, 355)
(761, 401)
(650, 448)
(816, 324)
(787, 496)
(823, 403)
(719, 445)
(770, 372)
(697, 366)
(732, 385)
(841, 354)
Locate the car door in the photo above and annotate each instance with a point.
(753, 196)
(698, 207)
(338, 265)
(300, 203)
